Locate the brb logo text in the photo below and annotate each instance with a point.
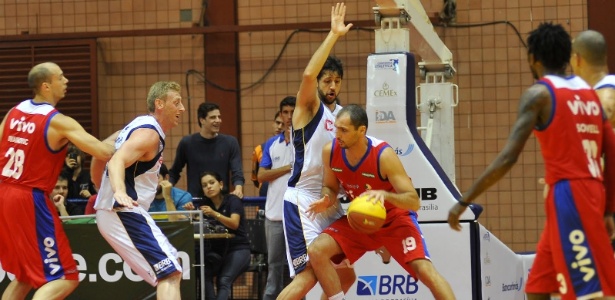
(386, 285)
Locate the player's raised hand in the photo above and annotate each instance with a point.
(338, 12)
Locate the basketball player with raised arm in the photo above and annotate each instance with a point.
(312, 128)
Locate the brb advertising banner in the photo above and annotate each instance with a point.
(104, 275)
(379, 281)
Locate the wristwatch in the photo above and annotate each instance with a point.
(218, 216)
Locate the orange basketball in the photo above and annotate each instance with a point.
(365, 216)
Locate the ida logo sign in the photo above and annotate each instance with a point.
(386, 285)
(385, 116)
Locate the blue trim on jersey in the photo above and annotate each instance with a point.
(354, 168)
(333, 143)
(266, 161)
(293, 229)
(411, 122)
(46, 237)
(139, 167)
(577, 253)
(378, 163)
(553, 105)
(146, 243)
(603, 86)
(45, 133)
(301, 137)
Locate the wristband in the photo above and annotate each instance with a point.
(463, 203)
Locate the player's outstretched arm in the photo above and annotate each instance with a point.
(97, 166)
(63, 128)
(307, 99)
(531, 106)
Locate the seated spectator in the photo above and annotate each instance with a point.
(226, 258)
(168, 198)
(80, 185)
(59, 195)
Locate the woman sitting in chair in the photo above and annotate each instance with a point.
(233, 254)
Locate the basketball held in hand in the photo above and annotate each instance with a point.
(365, 216)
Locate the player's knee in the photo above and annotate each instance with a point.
(320, 247)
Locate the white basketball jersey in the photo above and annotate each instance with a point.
(607, 82)
(307, 172)
(141, 178)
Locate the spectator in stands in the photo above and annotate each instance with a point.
(168, 198)
(59, 196)
(275, 168)
(227, 258)
(80, 185)
(257, 155)
(208, 149)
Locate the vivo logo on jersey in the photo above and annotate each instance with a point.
(52, 259)
(583, 262)
(583, 108)
(22, 125)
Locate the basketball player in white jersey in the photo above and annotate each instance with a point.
(312, 127)
(129, 186)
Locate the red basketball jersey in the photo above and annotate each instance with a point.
(365, 175)
(571, 141)
(26, 157)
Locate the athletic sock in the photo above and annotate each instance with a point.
(338, 296)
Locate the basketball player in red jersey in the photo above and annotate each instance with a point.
(33, 139)
(573, 257)
(366, 165)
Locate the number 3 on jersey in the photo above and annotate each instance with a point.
(591, 149)
(14, 167)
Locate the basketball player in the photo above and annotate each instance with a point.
(312, 124)
(33, 139)
(363, 165)
(129, 186)
(589, 61)
(573, 256)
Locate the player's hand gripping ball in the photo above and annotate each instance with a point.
(365, 216)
